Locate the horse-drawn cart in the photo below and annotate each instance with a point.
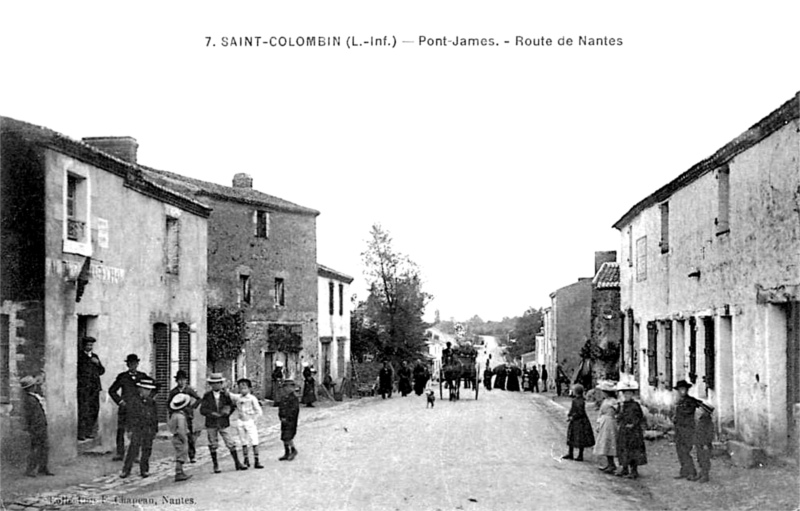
(461, 365)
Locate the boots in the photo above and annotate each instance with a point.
(568, 456)
(214, 460)
(256, 463)
(623, 471)
(610, 467)
(286, 454)
(580, 454)
(236, 461)
(179, 473)
(292, 454)
(245, 457)
(634, 471)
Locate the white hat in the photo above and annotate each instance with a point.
(278, 363)
(305, 364)
(180, 401)
(216, 378)
(627, 385)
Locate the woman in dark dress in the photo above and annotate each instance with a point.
(631, 451)
(487, 377)
(500, 379)
(420, 378)
(404, 379)
(309, 386)
(512, 382)
(579, 431)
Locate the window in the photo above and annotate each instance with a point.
(280, 297)
(330, 298)
(5, 360)
(641, 258)
(172, 245)
(630, 245)
(161, 365)
(341, 299)
(709, 352)
(261, 221)
(668, 354)
(692, 350)
(723, 200)
(664, 244)
(244, 289)
(184, 347)
(77, 228)
(652, 353)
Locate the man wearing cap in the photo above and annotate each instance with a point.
(126, 384)
(35, 411)
(89, 371)
(182, 387)
(683, 420)
(217, 406)
(142, 419)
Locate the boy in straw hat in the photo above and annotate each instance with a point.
(143, 422)
(179, 427)
(217, 406)
(36, 425)
(182, 387)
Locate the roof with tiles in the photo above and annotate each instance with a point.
(324, 271)
(131, 172)
(607, 276)
(216, 191)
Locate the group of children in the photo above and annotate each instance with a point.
(621, 427)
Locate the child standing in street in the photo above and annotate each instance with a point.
(630, 436)
(579, 431)
(217, 407)
(36, 426)
(179, 427)
(288, 413)
(182, 387)
(704, 438)
(143, 421)
(607, 427)
(248, 410)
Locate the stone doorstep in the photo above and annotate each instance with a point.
(746, 456)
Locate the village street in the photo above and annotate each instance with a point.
(500, 452)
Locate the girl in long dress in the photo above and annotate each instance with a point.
(579, 431)
(630, 436)
(606, 441)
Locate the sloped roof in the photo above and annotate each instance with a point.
(131, 172)
(324, 271)
(607, 276)
(243, 195)
(777, 119)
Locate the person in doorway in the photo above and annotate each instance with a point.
(631, 451)
(89, 371)
(277, 381)
(404, 379)
(544, 378)
(178, 426)
(143, 424)
(123, 391)
(182, 387)
(684, 422)
(579, 431)
(385, 380)
(289, 413)
(606, 444)
(217, 407)
(309, 386)
(35, 414)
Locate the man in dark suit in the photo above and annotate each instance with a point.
(36, 426)
(126, 384)
(89, 371)
(217, 406)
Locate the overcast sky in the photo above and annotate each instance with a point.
(499, 170)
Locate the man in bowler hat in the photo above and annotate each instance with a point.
(124, 391)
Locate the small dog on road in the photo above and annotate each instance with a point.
(431, 398)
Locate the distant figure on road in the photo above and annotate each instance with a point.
(385, 378)
(420, 378)
(500, 379)
(544, 378)
(512, 383)
(404, 375)
(533, 378)
(487, 377)
(289, 413)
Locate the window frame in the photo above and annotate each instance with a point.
(280, 292)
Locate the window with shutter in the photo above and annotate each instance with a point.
(330, 298)
(341, 299)
(5, 360)
(261, 220)
(664, 243)
(723, 200)
(668, 354)
(709, 352)
(184, 347)
(693, 350)
(652, 352)
(172, 247)
(280, 297)
(641, 259)
(161, 367)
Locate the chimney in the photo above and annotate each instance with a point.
(604, 257)
(123, 148)
(242, 180)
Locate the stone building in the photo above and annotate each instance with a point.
(571, 326)
(262, 261)
(334, 323)
(710, 283)
(605, 315)
(91, 246)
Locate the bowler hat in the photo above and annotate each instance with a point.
(146, 383)
(27, 381)
(133, 357)
(683, 384)
(216, 378)
(180, 401)
(181, 374)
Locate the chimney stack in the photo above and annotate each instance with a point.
(242, 180)
(123, 148)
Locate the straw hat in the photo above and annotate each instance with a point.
(28, 381)
(216, 378)
(627, 385)
(607, 386)
(180, 401)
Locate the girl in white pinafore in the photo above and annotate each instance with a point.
(606, 442)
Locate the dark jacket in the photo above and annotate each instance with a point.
(208, 406)
(35, 419)
(127, 383)
(684, 414)
(288, 413)
(89, 373)
(143, 415)
(630, 435)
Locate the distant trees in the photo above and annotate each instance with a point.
(525, 330)
(389, 322)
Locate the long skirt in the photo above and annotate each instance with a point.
(630, 446)
(579, 433)
(606, 442)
